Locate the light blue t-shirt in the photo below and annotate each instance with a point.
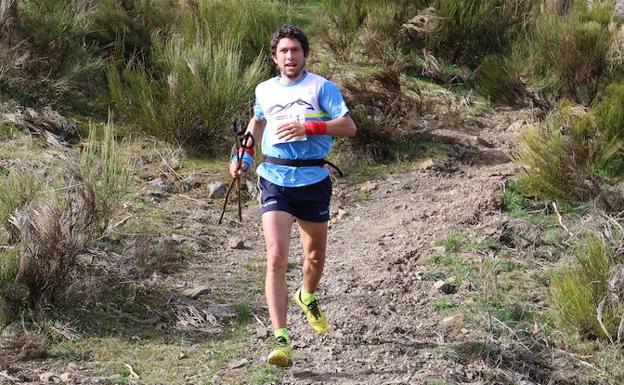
(310, 98)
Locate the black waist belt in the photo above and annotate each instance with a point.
(302, 163)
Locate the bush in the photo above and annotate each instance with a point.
(203, 85)
(573, 48)
(384, 112)
(575, 155)
(567, 51)
(469, 30)
(125, 32)
(555, 159)
(495, 79)
(64, 221)
(590, 288)
(341, 23)
(376, 25)
(61, 66)
(246, 24)
(200, 77)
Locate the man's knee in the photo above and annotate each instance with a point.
(277, 262)
(316, 257)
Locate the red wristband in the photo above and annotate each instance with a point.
(249, 151)
(315, 128)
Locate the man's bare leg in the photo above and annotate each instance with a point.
(277, 226)
(314, 242)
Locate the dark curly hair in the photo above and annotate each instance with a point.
(291, 32)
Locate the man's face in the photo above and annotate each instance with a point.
(289, 58)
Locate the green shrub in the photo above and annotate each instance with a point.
(496, 80)
(373, 26)
(341, 23)
(573, 48)
(249, 24)
(380, 29)
(554, 160)
(126, 33)
(609, 125)
(470, 29)
(192, 102)
(199, 78)
(61, 66)
(577, 291)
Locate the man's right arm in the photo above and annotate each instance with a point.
(256, 128)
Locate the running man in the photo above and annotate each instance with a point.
(296, 114)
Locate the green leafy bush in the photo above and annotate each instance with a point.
(573, 48)
(584, 291)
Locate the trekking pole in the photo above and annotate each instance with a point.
(243, 141)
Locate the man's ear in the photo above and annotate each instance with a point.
(274, 59)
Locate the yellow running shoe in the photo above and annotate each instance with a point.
(313, 313)
(282, 355)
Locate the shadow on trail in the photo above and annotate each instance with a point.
(327, 378)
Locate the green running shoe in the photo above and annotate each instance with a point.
(281, 355)
(313, 313)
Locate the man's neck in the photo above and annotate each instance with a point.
(290, 80)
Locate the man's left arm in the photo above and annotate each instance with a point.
(342, 126)
(331, 101)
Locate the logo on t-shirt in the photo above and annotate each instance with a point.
(277, 108)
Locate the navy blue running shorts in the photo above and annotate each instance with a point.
(309, 203)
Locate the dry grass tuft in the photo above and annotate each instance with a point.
(17, 191)
(151, 256)
(45, 122)
(52, 235)
(382, 109)
(27, 346)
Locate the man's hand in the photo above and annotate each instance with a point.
(290, 131)
(243, 168)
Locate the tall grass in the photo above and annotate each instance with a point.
(105, 167)
(371, 26)
(575, 155)
(17, 191)
(57, 227)
(578, 291)
(565, 52)
(202, 86)
(199, 78)
(471, 29)
(61, 65)
(574, 47)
